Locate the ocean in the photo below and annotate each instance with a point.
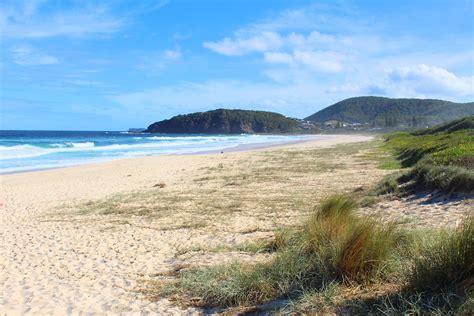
(22, 151)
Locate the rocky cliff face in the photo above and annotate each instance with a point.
(224, 121)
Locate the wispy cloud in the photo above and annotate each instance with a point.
(333, 16)
(270, 41)
(262, 42)
(28, 56)
(322, 61)
(37, 19)
(45, 18)
(83, 82)
(147, 6)
(172, 54)
(156, 62)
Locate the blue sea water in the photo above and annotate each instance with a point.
(33, 150)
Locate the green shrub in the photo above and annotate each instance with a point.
(442, 157)
(446, 179)
(388, 185)
(461, 155)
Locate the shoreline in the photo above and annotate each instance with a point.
(238, 148)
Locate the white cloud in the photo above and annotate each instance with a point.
(171, 54)
(295, 49)
(430, 80)
(262, 42)
(314, 51)
(319, 61)
(311, 40)
(27, 56)
(334, 16)
(271, 41)
(278, 58)
(156, 62)
(329, 62)
(28, 20)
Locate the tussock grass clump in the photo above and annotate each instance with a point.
(336, 205)
(334, 245)
(447, 261)
(349, 248)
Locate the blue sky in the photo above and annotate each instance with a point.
(111, 65)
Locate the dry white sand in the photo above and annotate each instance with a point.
(52, 265)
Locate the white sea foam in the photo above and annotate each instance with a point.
(181, 144)
(29, 151)
(20, 151)
(81, 145)
(55, 154)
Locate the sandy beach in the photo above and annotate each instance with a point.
(86, 239)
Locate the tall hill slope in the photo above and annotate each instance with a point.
(223, 121)
(384, 111)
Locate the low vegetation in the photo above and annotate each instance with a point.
(333, 245)
(441, 158)
(336, 251)
(447, 261)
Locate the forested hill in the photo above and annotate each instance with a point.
(223, 121)
(386, 111)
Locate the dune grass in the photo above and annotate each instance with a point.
(438, 278)
(334, 245)
(349, 248)
(447, 261)
(340, 261)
